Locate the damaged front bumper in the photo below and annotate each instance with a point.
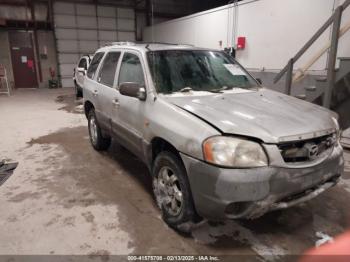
(223, 193)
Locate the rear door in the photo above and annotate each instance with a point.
(107, 93)
(90, 85)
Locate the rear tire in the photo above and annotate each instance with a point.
(98, 142)
(172, 192)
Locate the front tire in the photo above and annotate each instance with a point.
(172, 192)
(97, 140)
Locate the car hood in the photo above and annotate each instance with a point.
(264, 114)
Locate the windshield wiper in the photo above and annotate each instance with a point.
(185, 89)
(214, 91)
(219, 90)
(228, 87)
(224, 88)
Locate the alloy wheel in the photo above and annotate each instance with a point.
(167, 191)
(93, 130)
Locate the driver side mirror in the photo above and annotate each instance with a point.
(133, 90)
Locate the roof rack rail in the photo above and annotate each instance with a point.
(143, 43)
(119, 43)
(162, 43)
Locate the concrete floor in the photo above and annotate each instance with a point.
(66, 198)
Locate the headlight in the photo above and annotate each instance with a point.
(234, 152)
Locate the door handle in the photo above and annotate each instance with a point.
(95, 93)
(115, 102)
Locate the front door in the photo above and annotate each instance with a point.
(128, 116)
(23, 63)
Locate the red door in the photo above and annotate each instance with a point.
(22, 55)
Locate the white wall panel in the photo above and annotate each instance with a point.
(83, 9)
(108, 35)
(104, 42)
(67, 46)
(107, 23)
(66, 34)
(344, 42)
(68, 58)
(67, 82)
(67, 69)
(86, 22)
(126, 36)
(126, 13)
(88, 46)
(87, 34)
(65, 21)
(126, 24)
(275, 30)
(64, 8)
(106, 11)
(78, 31)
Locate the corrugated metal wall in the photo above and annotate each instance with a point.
(82, 28)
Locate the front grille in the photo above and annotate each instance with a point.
(307, 150)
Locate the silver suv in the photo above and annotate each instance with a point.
(79, 73)
(217, 144)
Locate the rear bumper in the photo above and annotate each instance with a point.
(221, 193)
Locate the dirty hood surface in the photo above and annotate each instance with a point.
(264, 114)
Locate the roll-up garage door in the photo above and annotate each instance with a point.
(82, 28)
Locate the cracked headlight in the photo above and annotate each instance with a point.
(234, 152)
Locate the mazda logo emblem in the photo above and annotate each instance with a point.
(312, 150)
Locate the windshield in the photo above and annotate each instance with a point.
(188, 70)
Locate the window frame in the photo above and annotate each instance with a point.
(100, 67)
(142, 62)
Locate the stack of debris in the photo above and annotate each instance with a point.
(6, 170)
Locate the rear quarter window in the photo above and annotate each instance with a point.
(94, 64)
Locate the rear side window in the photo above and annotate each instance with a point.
(108, 68)
(94, 64)
(131, 70)
(82, 63)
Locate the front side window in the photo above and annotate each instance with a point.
(197, 70)
(94, 64)
(82, 63)
(108, 68)
(131, 70)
